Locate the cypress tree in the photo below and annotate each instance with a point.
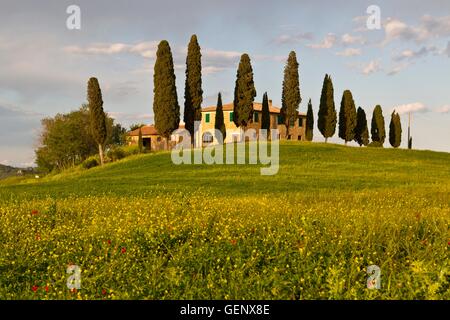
(347, 117)
(378, 130)
(290, 97)
(193, 87)
(165, 100)
(395, 130)
(244, 93)
(219, 123)
(361, 130)
(309, 122)
(140, 141)
(327, 111)
(265, 116)
(97, 115)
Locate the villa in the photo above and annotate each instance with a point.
(153, 141)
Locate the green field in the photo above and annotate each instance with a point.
(144, 228)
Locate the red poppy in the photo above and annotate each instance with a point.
(74, 290)
(123, 250)
(104, 292)
(34, 212)
(46, 288)
(38, 236)
(109, 242)
(34, 288)
(448, 243)
(233, 242)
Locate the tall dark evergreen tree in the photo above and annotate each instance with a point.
(361, 129)
(395, 130)
(97, 115)
(310, 122)
(265, 116)
(327, 110)
(378, 129)
(244, 93)
(193, 87)
(165, 101)
(290, 97)
(219, 123)
(140, 141)
(347, 117)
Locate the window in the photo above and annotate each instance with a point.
(207, 118)
(299, 138)
(291, 123)
(300, 122)
(231, 116)
(279, 119)
(207, 137)
(256, 117)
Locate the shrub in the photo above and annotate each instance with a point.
(375, 144)
(130, 150)
(90, 162)
(116, 153)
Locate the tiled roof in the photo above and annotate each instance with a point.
(256, 106)
(148, 131)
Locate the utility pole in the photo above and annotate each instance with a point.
(409, 132)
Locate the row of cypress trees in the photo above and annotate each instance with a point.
(353, 123)
(165, 102)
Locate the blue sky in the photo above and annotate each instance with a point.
(45, 67)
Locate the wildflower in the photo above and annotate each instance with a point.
(34, 288)
(34, 212)
(103, 292)
(123, 250)
(73, 290)
(46, 288)
(233, 242)
(109, 241)
(38, 236)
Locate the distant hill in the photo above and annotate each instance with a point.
(7, 171)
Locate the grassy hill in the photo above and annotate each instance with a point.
(146, 228)
(7, 171)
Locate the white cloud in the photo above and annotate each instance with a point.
(397, 68)
(292, 39)
(328, 42)
(144, 49)
(349, 52)
(348, 39)
(371, 67)
(212, 53)
(444, 109)
(416, 107)
(411, 54)
(428, 28)
(396, 29)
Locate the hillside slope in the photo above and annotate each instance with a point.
(303, 168)
(144, 228)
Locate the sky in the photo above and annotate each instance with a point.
(44, 66)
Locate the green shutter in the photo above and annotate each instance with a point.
(231, 116)
(279, 119)
(256, 117)
(300, 122)
(207, 118)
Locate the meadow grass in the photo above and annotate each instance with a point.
(144, 228)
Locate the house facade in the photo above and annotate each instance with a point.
(151, 140)
(205, 135)
(297, 128)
